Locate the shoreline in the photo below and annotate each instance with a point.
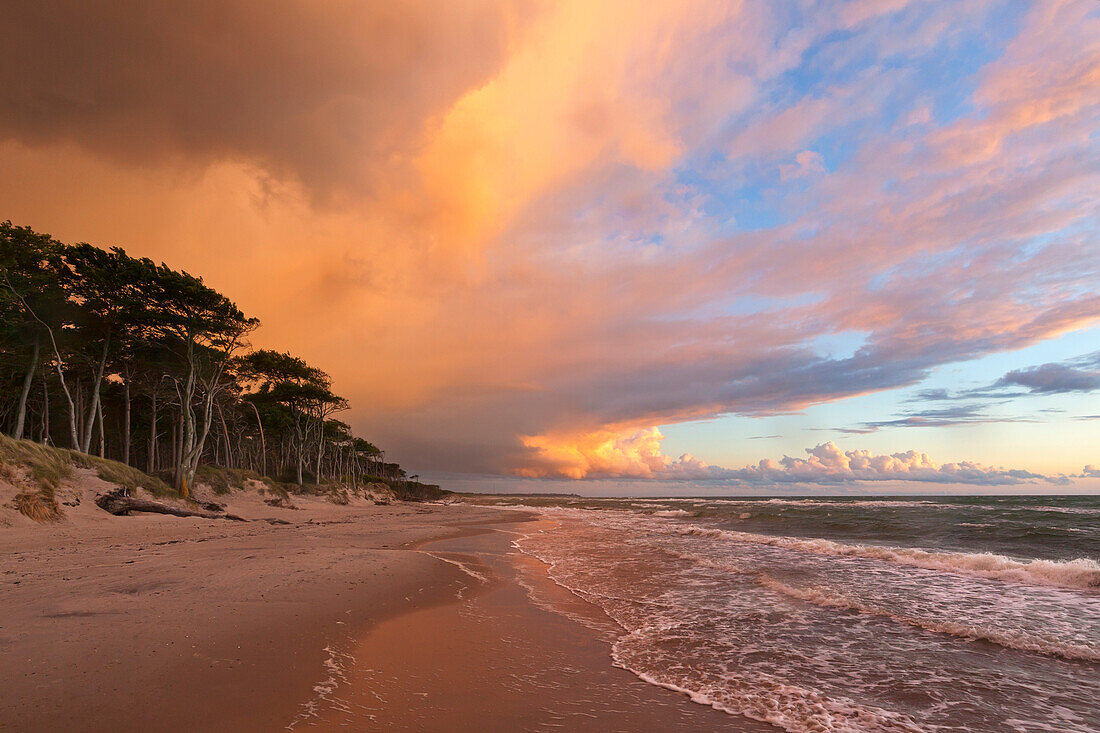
(511, 651)
(163, 624)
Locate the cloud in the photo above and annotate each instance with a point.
(828, 464)
(1081, 375)
(930, 395)
(968, 414)
(637, 454)
(566, 221)
(805, 163)
(329, 94)
(602, 454)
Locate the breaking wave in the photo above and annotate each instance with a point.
(1002, 637)
(1081, 574)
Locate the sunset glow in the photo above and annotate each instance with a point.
(726, 246)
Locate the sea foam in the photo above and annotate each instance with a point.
(1009, 638)
(1081, 574)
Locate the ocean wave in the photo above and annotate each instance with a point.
(1080, 574)
(1002, 637)
(1019, 640)
(1059, 509)
(763, 698)
(672, 513)
(856, 502)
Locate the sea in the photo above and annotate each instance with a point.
(845, 614)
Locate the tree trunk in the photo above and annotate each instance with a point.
(320, 449)
(228, 444)
(152, 460)
(72, 408)
(126, 422)
(78, 391)
(102, 438)
(61, 367)
(95, 393)
(301, 444)
(263, 443)
(119, 504)
(177, 430)
(183, 473)
(45, 409)
(21, 416)
(197, 441)
(301, 451)
(60, 363)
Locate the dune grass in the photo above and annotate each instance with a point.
(46, 467)
(411, 490)
(224, 480)
(41, 506)
(122, 475)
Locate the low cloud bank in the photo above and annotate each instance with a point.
(638, 454)
(828, 464)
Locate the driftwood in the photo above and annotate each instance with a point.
(119, 503)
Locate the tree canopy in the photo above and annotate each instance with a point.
(101, 351)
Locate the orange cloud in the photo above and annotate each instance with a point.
(637, 454)
(471, 215)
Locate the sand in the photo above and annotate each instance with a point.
(514, 653)
(406, 616)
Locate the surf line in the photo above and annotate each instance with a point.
(459, 564)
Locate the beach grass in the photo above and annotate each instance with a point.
(122, 475)
(46, 467)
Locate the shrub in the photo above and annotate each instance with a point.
(41, 506)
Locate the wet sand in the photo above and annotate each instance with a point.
(512, 652)
(351, 618)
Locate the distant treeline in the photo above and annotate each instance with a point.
(134, 361)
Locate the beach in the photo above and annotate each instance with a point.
(573, 614)
(404, 616)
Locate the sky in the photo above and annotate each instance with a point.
(614, 247)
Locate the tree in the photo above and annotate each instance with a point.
(31, 272)
(142, 352)
(301, 390)
(204, 329)
(113, 291)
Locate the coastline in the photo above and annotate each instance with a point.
(512, 651)
(166, 624)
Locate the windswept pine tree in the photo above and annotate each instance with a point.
(119, 356)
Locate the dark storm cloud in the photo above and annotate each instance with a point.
(323, 91)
